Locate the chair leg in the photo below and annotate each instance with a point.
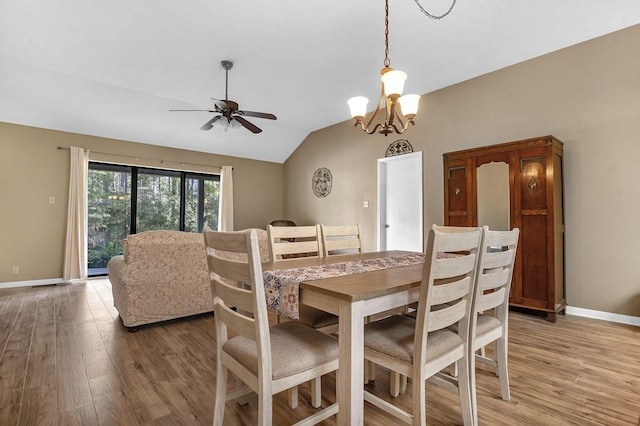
(316, 392)
(502, 370)
(466, 390)
(293, 397)
(221, 394)
(370, 370)
(418, 402)
(394, 383)
(265, 405)
(243, 400)
(397, 383)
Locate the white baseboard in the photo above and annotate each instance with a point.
(605, 316)
(32, 283)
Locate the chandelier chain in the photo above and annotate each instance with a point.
(435, 16)
(386, 34)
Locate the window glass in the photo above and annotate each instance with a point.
(109, 215)
(158, 201)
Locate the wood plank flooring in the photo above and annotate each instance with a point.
(66, 359)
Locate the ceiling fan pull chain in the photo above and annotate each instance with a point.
(435, 16)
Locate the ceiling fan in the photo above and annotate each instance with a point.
(228, 109)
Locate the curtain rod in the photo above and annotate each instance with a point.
(152, 159)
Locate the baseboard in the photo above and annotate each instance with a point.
(605, 316)
(32, 283)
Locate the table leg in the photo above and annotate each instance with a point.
(350, 391)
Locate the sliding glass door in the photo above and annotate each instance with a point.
(125, 200)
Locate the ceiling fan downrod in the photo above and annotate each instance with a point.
(227, 65)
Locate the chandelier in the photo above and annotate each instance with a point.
(400, 110)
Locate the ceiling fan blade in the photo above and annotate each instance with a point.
(209, 124)
(247, 124)
(258, 114)
(204, 110)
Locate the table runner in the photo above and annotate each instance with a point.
(282, 285)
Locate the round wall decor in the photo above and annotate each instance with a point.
(321, 182)
(399, 147)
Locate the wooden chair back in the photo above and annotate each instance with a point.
(495, 271)
(341, 239)
(240, 302)
(287, 241)
(448, 285)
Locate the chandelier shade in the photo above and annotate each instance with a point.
(393, 82)
(358, 106)
(399, 110)
(409, 105)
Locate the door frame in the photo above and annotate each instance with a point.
(415, 157)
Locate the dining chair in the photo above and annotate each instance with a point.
(343, 239)
(289, 243)
(421, 347)
(268, 360)
(491, 304)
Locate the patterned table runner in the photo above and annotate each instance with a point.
(282, 285)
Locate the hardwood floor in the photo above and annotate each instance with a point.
(65, 359)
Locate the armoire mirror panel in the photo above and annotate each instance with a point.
(493, 196)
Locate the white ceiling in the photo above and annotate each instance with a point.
(115, 68)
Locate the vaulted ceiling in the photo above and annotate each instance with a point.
(115, 68)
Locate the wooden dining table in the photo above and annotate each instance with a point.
(353, 298)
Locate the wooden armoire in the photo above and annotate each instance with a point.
(535, 206)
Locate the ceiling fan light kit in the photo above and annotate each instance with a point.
(228, 110)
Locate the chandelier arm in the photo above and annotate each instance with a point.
(399, 115)
(435, 16)
(399, 131)
(369, 131)
(375, 112)
(391, 112)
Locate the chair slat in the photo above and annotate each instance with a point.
(232, 270)
(493, 280)
(342, 238)
(233, 295)
(446, 317)
(447, 292)
(452, 267)
(490, 300)
(497, 259)
(239, 323)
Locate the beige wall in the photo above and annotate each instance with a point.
(33, 169)
(588, 96)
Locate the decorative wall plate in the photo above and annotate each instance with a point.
(321, 182)
(399, 147)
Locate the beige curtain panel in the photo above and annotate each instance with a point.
(226, 199)
(75, 257)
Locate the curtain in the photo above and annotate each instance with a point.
(226, 200)
(75, 256)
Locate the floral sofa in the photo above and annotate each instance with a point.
(163, 275)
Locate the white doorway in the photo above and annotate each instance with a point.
(400, 219)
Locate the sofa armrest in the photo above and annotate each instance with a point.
(115, 268)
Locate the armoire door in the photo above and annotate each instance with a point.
(459, 192)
